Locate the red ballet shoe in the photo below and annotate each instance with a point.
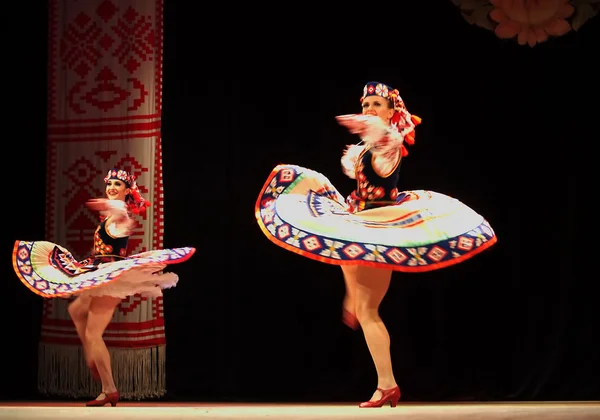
(350, 320)
(392, 395)
(109, 397)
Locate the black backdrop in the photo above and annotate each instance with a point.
(506, 129)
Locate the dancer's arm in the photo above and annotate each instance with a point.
(384, 142)
(119, 224)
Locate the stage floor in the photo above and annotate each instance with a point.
(221, 411)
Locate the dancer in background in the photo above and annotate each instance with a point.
(375, 230)
(100, 282)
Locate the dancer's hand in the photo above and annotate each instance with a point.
(115, 208)
(362, 124)
(356, 124)
(98, 204)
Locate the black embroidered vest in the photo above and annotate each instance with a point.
(373, 190)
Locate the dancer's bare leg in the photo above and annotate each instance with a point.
(78, 310)
(101, 312)
(349, 305)
(371, 286)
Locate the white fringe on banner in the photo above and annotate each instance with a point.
(138, 373)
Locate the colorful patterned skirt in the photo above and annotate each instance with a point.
(301, 211)
(50, 271)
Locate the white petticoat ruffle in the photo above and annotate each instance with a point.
(145, 281)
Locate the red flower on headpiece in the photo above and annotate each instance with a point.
(136, 203)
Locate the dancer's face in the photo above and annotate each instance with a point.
(376, 105)
(116, 189)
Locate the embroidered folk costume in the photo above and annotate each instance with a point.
(300, 210)
(50, 270)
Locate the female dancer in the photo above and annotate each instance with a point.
(377, 229)
(101, 281)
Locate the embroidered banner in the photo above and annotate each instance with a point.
(104, 110)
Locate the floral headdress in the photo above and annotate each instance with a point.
(402, 120)
(134, 200)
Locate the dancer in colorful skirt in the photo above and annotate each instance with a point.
(375, 230)
(100, 282)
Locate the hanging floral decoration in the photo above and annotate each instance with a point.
(528, 21)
